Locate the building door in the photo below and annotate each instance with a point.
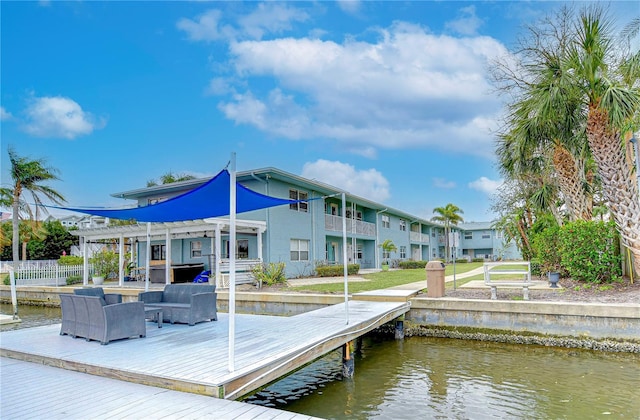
(416, 254)
(332, 248)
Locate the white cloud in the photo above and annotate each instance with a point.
(408, 89)
(443, 183)
(267, 18)
(205, 28)
(58, 117)
(4, 114)
(485, 185)
(349, 6)
(270, 18)
(368, 183)
(467, 22)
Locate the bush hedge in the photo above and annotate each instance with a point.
(412, 264)
(589, 251)
(336, 270)
(70, 260)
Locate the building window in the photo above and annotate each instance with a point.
(468, 235)
(158, 252)
(386, 222)
(242, 249)
(359, 252)
(299, 250)
(499, 234)
(403, 225)
(196, 249)
(386, 255)
(403, 252)
(486, 235)
(298, 195)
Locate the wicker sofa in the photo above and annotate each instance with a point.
(89, 317)
(184, 303)
(107, 298)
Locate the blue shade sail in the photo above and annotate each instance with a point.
(208, 200)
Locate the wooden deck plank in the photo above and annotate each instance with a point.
(62, 394)
(194, 358)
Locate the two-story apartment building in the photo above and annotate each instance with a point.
(481, 240)
(301, 234)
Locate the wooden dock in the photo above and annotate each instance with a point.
(195, 359)
(36, 391)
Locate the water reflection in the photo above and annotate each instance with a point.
(439, 378)
(31, 316)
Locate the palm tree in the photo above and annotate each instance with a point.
(545, 125)
(448, 215)
(610, 95)
(29, 176)
(170, 178)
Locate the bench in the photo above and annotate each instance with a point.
(508, 268)
(184, 303)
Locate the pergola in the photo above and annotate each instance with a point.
(212, 228)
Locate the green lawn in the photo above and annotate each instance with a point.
(384, 279)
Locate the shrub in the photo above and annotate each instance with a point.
(412, 264)
(74, 280)
(269, 274)
(336, 270)
(546, 247)
(590, 251)
(5, 280)
(70, 260)
(461, 261)
(105, 263)
(477, 260)
(535, 267)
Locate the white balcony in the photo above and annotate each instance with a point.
(358, 227)
(419, 237)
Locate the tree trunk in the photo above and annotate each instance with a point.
(15, 240)
(570, 181)
(620, 189)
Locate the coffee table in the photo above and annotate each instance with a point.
(154, 314)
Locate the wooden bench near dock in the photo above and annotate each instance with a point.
(520, 269)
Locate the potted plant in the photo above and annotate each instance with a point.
(105, 265)
(387, 248)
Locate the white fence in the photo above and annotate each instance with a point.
(38, 273)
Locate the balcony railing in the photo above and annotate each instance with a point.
(419, 237)
(334, 223)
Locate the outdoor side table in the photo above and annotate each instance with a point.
(154, 314)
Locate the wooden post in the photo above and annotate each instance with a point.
(399, 335)
(348, 365)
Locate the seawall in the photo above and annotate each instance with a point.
(566, 324)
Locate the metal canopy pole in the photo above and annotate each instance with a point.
(344, 256)
(232, 261)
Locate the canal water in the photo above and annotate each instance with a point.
(421, 378)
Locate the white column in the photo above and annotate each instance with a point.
(85, 263)
(147, 259)
(260, 232)
(217, 254)
(167, 265)
(120, 260)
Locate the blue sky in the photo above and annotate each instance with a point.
(388, 100)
